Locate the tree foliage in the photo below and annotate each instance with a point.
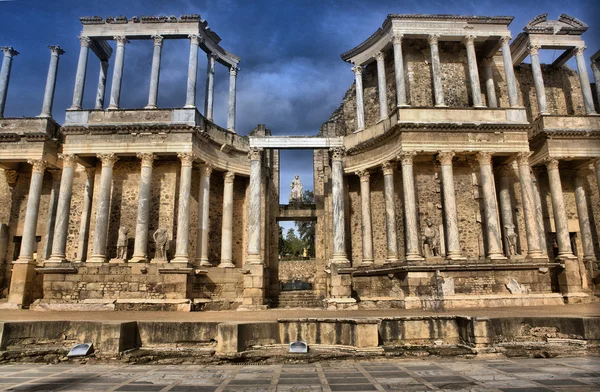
(292, 245)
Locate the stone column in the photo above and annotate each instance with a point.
(360, 107)
(558, 209)
(23, 268)
(190, 100)
(337, 198)
(490, 89)
(101, 85)
(473, 71)
(506, 210)
(539, 215)
(140, 248)
(534, 247)
(183, 212)
(584, 219)
(254, 207)
(52, 207)
(538, 79)
(490, 206)
(367, 227)
(413, 248)
(55, 52)
(210, 87)
(117, 78)
(390, 212)
(103, 208)
(9, 53)
(155, 73)
(231, 102)
(399, 70)
(453, 251)
(381, 86)
(63, 212)
(85, 43)
(203, 215)
(436, 70)
(588, 101)
(86, 210)
(596, 72)
(509, 72)
(227, 224)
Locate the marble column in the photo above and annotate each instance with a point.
(63, 212)
(231, 101)
(596, 72)
(31, 214)
(538, 79)
(399, 70)
(413, 248)
(254, 207)
(190, 100)
(532, 230)
(227, 224)
(55, 53)
(52, 207)
(390, 212)
(210, 87)
(473, 71)
(490, 89)
(539, 215)
(509, 72)
(9, 53)
(103, 208)
(381, 86)
(558, 209)
(183, 212)
(101, 85)
(117, 77)
(155, 72)
(453, 251)
(360, 107)
(490, 206)
(85, 43)
(436, 70)
(337, 198)
(203, 216)
(367, 226)
(586, 90)
(86, 211)
(140, 248)
(582, 213)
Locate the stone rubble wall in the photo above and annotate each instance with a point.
(302, 270)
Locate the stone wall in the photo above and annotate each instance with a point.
(302, 270)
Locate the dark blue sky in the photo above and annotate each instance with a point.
(291, 78)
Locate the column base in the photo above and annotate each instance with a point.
(117, 261)
(496, 256)
(139, 259)
(232, 130)
(112, 107)
(189, 106)
(480, 107)
(226, 264)
(340, 259)
(161, 260)
(254, 260)
(366, 262)
(537, 256)
(390, 260)
(414, 257)
(75, 108)
(97, 259)
(566, 256)
(381, 119)
(455, 256)
(403, 105)
(441, 105)
(204, 262)
(180, 260)
(150, 107)
(56, 259)
(359, 130)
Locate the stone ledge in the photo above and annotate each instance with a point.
(176, 270)
(383, 270)
(57, 270)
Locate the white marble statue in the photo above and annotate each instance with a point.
(297, 190)
(122, 243)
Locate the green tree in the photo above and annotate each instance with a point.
(306, 229)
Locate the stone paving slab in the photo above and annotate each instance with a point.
(519, 375)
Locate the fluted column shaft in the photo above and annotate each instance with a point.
(55, 52)
(490, 206)
(583, 215)
(52, 207)
(117, 78)
(81, 71)
(227, 224)
(155, 72)
(390, 213)
(367, 226)
(337, 198)
(86, 211)
(183, 212)
(588, 101)
(203, 215)
(436, 70)
(231, 102)
(31, 214)
(490, 89)
(103, 208)
(453, 251)
(360, 107)
(399, 70)
(140, 248)
(210, 87)
(532, 230)
(538, 79)
(9, 53)
(190, 100)
(509, 72)
(410, 208)
(596, 72)
(473, 71)
(381, 86)
(100, 91)
(254, 207)
(63, 211)
(558, 209)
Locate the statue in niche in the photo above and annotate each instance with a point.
(297, 191)
(511, 239)
(161, 240)
(122, 243)
(431, 240)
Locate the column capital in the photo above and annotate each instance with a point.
(147, 158)
(484, 158)
(56, 50)
(158, 39)
(121, 40)
(433, 39)
(233, 70)
(337, 153)
(469, 39)
(187, 158)
(69, 160)
(397, 38)
(364, 175)
(195, 39)
(90, 172)
(11, 177)
(504, 170)
(388, 168)
(357, 69)
(579, 50)
(406, 157)
(229, 177)
(39, 165)
(108, 160)
(487, 62)
(533, 49)
(445, 157)
(9, 51)
(206, 169)
(505, 39)
(85, 42)
(551, 163)
(584, 171)
(523, 158)
(379, 56)
(254, 154)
